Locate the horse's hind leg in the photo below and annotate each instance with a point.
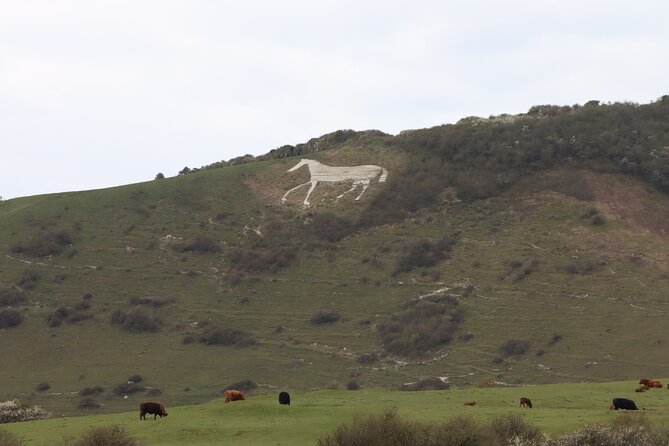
(355, 185)
(283, 200)
(365, 185)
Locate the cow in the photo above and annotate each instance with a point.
(651, 383)
(151, 408)
(284, 398)
(641, 389)
(470, 403)
(525, 402)
(623, 403)
(233, 395)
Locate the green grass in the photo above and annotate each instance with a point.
(611, 320)
(261, 420)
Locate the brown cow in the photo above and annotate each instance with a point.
(470, 403)
(651, 383)
(233, 395)
(525, 402)
(642, 389)
(151, 408)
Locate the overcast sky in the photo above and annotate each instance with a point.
(97, 93)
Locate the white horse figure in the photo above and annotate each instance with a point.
(360, 175)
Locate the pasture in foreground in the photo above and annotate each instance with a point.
(260, 420)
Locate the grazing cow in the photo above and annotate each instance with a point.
(151, 408)
(470, 403)
(623, 403)
(651, 383)
(233, 395)
(284, 398)
(525, 402)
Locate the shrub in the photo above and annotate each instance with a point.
(127, 388)
(91, 391)
(244, 385)
(136, 320)
(259, 260)
(89, 403)
(331, 227)
(387, 429)
(510, 428)
(67, 314)
(423, 325)
(9, 318)
(14, 411)
(599, 435)
(106, 436)
(153, 392)
(226, 336)
(424, 254)
(514, 347)
(555, 339)
(324, 317)
(11, 295)
(28, 279)
(426, 384)
(8, 439)
(135, 378)
(367, 358)
(202, 244)
(48, 243)
(42, 387)
(352, 385)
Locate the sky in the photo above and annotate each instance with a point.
(101, 93)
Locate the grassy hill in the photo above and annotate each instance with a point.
(558, 408)
(515, 264)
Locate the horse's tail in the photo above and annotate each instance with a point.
(384, 175)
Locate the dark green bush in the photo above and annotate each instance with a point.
(260, 260)
(514, 347)
(127, 388)
(48, 243)
(28, 279)
(89, 403)
(226, 336)
(423, 325)
(91, 391)
(152, 301)
(512, 426)
(42, 387)
(424, 254)
(136, 320)
(324, 317)
(106, 436)
(10, 318)
(202, 244)
(11, 295)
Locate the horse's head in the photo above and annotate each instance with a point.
(298, 165)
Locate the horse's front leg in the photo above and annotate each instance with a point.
(311, 189)
(284, 199)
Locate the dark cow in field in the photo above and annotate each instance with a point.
(651, 383)
(470, 403)
(233, 395)
(623, 403)
(525, 402)
(156, 409)
(284, 398)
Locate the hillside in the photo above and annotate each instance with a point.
(515, 249)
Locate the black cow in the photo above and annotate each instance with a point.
(284, 398)
(623, 403)
(155, 409)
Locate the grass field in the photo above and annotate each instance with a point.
(262, 421)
